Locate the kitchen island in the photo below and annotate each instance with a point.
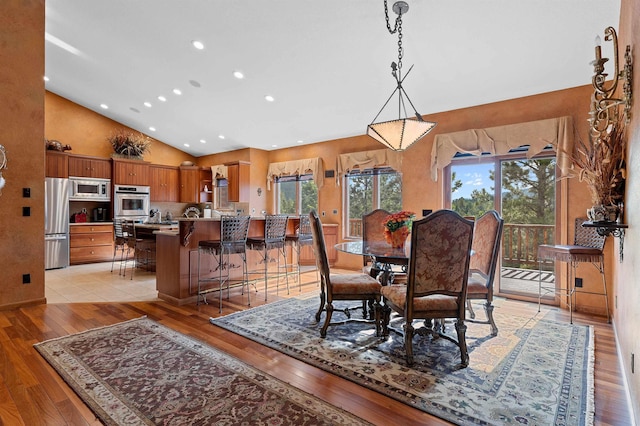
(177, 255)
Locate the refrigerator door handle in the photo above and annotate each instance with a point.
(55, 237)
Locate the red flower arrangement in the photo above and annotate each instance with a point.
(397, 227)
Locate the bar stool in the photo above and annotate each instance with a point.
(587, 248)
(143, 250)
(275, 230)
(300, 238)
(119, 243)
(233, 240)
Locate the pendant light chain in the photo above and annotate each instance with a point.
(397, 28)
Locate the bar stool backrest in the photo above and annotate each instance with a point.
(588, 237)
(234, 231)
(275, 228)
(304, 230)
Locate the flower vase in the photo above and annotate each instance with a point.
(399, 237)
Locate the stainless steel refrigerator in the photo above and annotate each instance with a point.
(56, 223)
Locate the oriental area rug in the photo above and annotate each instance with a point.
(535, 372)
(142, 373)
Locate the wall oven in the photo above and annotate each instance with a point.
(89, 189)
(131, 202)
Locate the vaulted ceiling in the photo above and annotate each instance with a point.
(325, 63)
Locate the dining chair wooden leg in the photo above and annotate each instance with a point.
(327, 320)
(461, 330)
(408, 342)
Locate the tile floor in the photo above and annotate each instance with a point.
(96, 283)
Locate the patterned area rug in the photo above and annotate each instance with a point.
(142, 373)
(535, 372)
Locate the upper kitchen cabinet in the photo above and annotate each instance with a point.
(164, 183)
(189, 184)
(57, 164)
(238, 180)
(84, 166)
(130, 172)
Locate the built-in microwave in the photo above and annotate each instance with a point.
(89, 189)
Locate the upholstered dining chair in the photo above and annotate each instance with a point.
(333, 287)
(373, 232)
(487, 236)
(437, 279)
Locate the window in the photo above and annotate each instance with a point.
(296, 195)
(367, 190)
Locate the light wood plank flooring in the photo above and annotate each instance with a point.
(84, 297)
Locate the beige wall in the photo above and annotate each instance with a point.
(21, 133)
(87, 132)
(627, 273)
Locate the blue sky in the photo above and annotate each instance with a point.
(473, 176)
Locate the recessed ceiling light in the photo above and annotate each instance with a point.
(194, 83)
(147, 104)
(162, 98)
(46, 78)
(177, 91)
(274, 146)
(187, 145)
(104, 106)
(220, 136)
(197, 44)
(238, 75)
(153, 129)
(203, 141)
(269, 98)
(300, 141)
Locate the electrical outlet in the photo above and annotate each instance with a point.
(26, 278)
(579, 282)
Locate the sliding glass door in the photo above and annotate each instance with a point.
(523, 192)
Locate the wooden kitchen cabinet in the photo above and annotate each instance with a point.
(164, 183)
(130, 172)
(238, 173)
(57, 164)
(90, 243)
(189, 184)
(330, 231)
(93, 167)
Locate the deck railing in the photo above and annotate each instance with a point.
(519, 242)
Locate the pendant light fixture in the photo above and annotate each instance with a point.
(399, 134)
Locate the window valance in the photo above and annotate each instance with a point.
(368, 160)
(499, 140)
(312, 166)
(219, 171)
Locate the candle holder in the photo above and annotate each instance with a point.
(604, 106)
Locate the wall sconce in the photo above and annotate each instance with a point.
(604, 106)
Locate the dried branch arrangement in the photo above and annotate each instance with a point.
(129, 143)
(602, 164)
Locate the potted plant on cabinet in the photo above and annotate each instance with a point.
(127, 144)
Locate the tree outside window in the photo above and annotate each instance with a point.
(368, 190)
(296, 195)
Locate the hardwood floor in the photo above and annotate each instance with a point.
(31, 393)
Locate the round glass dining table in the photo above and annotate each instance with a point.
(384, 256)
